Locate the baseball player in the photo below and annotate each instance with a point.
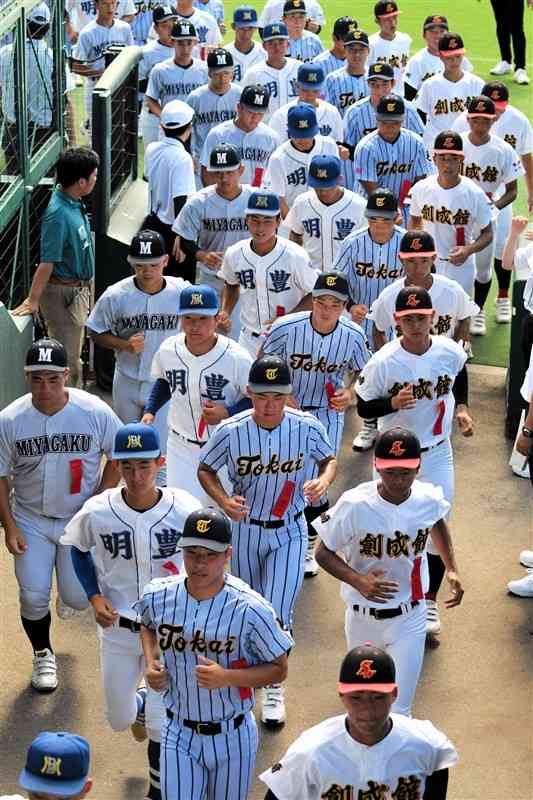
(331, 60)
(454, 210)
(347, 85)
(521, 260)
(245, 52)
(271, 275)
(254, 140)
(427, 62)
(205, 25)
(303, 45)
(273, 12)
(204, 375)
(357, 754)
(155, 52)
(453, 307)
(57, 766)
(321, 218)
(443, 97)
(209, 641)
(310, 85)
(325, 352)
(416, 381)
(269, 452)
(277, 73)
(114, 565)
(51, 445)
(391, 157)
(133, 318)
(389, 45)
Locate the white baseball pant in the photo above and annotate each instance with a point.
(463, 274)
(250, 342)
(150, 128)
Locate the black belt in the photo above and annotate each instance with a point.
(274, 523)
(311, 408)
(433, 446)
(207, 728)
(124, 622)
(190, 441)
(386, 613)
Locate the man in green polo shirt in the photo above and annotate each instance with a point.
(61, 286)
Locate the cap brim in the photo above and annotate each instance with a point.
(219, 68)
(390, 463)
(44, 368)
(426, 254)
(209, 544)
(383, 688)
(120, 456)
(448, 152)
(329, 293)
(265, 388)
(500, 105)
(297, 134)
(436, 25)
(390, 117)
(272, 38)
(254, 109)
(184, 38)
(460, 52)
(380, 77)
(313, 86)
(390, 14)
(262, 212)
(294, 11)
(371, 212)
(406, 311)
(142, 260)
(198, 312)
(479, 114)
(224, 169)
(166, 19)
(357, 41)
(246, 24)
(34, 783)
(315, 183)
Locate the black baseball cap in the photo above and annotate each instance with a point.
(390, 108)
(386, 8)
(147, 247)
(498, 93)
(343, 26)
(435, 21)
(270, 375)
(207, 527)
(481, 106)
(255, 97)
(183, 29)
(417, 244)
(163, 13)
(356, 36)
(224, 158)
(333, 284)
(380, 70)
(367, 668)
(413, 300)
(46, 354)
(219, 59)
(451, 44)
(397, 447)
(382, 203)
(448, 142)
(294, 7)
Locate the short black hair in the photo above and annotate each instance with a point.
(175, 133)
(75, 163)
(36, 31)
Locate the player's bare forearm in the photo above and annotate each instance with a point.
(108, 341)
(440, 534)
(378, 339)
(153, 105)
(38, 285)
(284, 208)
(374, 585)
(296, 237)
(518, 226)
(509, 196)
(210, 483)
(110, 478)
(230, 296)
(305, 304)
(461, 331)
(6, 517)
(369, 186)
(482, 241)
(414, 223)
(211, 675)
(335, 565)
(155, 672)
(149, 644)
(527, 163)
(327, 470)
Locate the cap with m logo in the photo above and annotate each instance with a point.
(147, 247)
(46, 354)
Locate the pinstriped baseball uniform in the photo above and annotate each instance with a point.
(259, 463)
(306, 48)
(142, 22)
(327, 116)
(360, 119)
(237, 624)
(210, 108)
(245, 61)
(281, 83)
(369, 266)
(254, 148)
(395, 53)
(342, 89)
(168, 81)
(329, 62)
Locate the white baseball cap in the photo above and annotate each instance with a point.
(40, 14)
(176, 114)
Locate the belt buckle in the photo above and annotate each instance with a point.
(199, 725)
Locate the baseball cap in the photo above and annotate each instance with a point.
(276, 30)
(324, 172)
(57, 764)
(136, 441)
(270, 375)
(198, 300)
(397, 447)
(301, 121)
(356, 36)
(40, 15)
(451, 44)
(147, 247)
(380, 70)
(367, 669)
(390, 108)
(386, 8)
(264, 204)
(333, 284)
(176, 114)
(207, 527)
(163, 13)
(224, 158)
(219, 59)
(448, 142)
(46, 354)
(498, 93)
(413, 300)
(417, 244)
(183, 29)
(435, 21)
(245, 17)
(310, 76)
(382, 203)
(294, 7)
(255, 97)
(343, 25)
(481, 106)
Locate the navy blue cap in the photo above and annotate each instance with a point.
(311, 76)
(324, 172)
(263, 204)
(56, 764)
(301, 121)
(136, 440)
(207, 527)
(276, 30)
(245, 17)
(200, 300)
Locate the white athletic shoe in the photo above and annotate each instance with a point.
(503, 68)
(433, 619)
(478, 326)
(310, 566)
(467, 347)
(62, 610)
(138, 729)
(504, 311)
(522, 587)
(366, 437)
(521, 77)
(273, 711)
(44, 675)
(526, 559)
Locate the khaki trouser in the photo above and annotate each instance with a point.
(65, 309)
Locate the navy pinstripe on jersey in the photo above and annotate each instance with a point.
(390, 164)
(369, 266)
(360, 119)
(329, 62)
(260, 461)
(142, 21)
(342, 89)
(306, 48)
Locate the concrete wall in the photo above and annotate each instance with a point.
(16, 334)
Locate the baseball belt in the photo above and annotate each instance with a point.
(124, 622)
(432, 447)
(208, 728)
(386, 613)
(273, 523)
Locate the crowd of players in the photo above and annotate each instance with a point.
(322, 232)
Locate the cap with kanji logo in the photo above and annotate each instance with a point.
(255, 97)
(163, 13)
(136, 441)
(397, 447)
(382, 203)
(380, 70)
(435, 21)
(386, 8)
(451, 44)
(356, 36)
(224, 158)
(413, 300)
(310, 76)
(198, 300)
(270, 375)
(207, 527)
(367, 668)
(390, 108)
(448, 142)
(147, 247)
(302, 122)
(417, 244)
(498, 93)
(182, 29)
(481, 106)
(324, 172)
(219, 59)
(46, 354)
(245, 17)
(263, 204)
(343, 26)
(57, 764)
(333, 284)
(276, 30)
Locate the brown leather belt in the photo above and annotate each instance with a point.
(75, 283)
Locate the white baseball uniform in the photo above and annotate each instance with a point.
(443, 100)
(152, 53)
(168, 81)
(82, 12)
(327, 116)
(281, 83)
(254, 148)
(242, 62)
(206, 28)
(523, 262)
(170, 173)
(424, 65)
(210, 109)
(394, 52)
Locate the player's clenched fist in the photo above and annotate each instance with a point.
(236, 508)
(104, 612)
(213, 413)
(136, 343)
(210, 675)
(374, 587)
(223, 322)
(464, 421)
(404, 399)
(15, 541)
(147, 419)
(156, 676)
